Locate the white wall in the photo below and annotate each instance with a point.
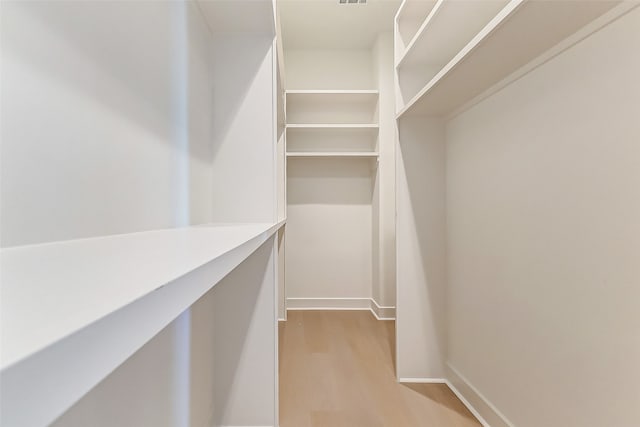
(243, 129)
(543, 202)
(328, 228)
(103, 131)
(328, 69)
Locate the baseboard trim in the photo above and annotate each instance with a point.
(379, 312)
(328, 303)
(422, 380)
(382, 312)
(476, 402)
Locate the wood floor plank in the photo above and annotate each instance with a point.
(337, 370)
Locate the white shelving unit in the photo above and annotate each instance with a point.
(447, 64)
(461, 52)
(339, 146)
(60, 297)
(91, 296)
(409, 18)
(332, 122)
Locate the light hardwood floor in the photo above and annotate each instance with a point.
(336, 370)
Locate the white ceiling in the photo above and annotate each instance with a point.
(326, 24)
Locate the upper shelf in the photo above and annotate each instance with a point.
(332, 106)
(51, 291)
(410, 17)
(332, 126)
(519, 33)
(446, 29)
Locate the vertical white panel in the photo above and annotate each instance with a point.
(420, 244)
(384, 292)
(243, 125)
(246, 343)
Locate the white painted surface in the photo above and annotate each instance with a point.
(75, 324)
(329, 69)
(51, 291)
(107, 132)
(181, 378)
(448, 27)
(98, 138)
(409, 18)
(420, 248)
(333, 154)
(482, 62)
(332, 126)
(243, 121)
(321, 24)
(246, 340)
(329, 228)
(384, 210)
(329, 303)
(248, 16)
(332, 106)
(544, 238)
(332, 138)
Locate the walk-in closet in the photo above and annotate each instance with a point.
(320, 213)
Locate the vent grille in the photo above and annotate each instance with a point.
(352, 1)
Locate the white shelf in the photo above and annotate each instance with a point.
(367, 92)
(525, 29)
(87, 305)
(332, 106)
(332, 126)
(333, 154)
(410, 17)
(447, 28)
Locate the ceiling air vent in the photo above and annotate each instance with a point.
(352, 1)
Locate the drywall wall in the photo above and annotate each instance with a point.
(420, 249)
(543, 201)
(104, 131)
(208, 367)
(384, 212)
(328, 69)
(328, 229)
(243, 123)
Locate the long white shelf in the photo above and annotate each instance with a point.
(332, 92)
(409, 18)
(447, 28)
(332, 126)
(332, 154)
(519, 33)
(73, 311)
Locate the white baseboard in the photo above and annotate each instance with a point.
(476, 402)
(328, 303)
(422, 380)
(380, 312)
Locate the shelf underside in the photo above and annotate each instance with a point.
(510, 41)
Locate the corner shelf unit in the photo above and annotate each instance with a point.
(447, 64)
(331, 123)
